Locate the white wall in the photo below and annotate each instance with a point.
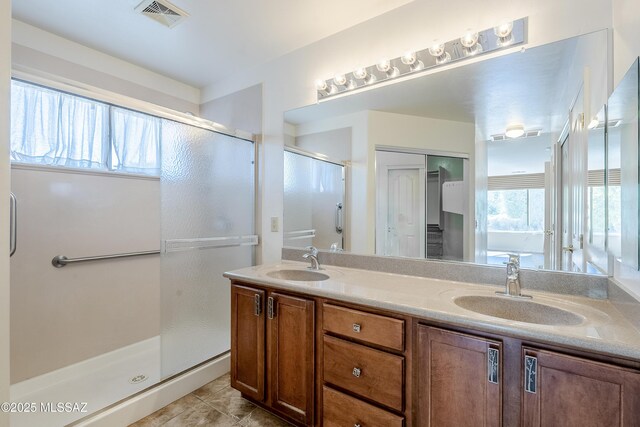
(289, 80)
(38, 52)
(626, 36)
(241, 110)
(5, 177)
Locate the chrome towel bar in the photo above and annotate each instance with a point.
(60, 261)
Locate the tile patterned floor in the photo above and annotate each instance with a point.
(215, 404)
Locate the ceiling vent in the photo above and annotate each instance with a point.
(162, 11)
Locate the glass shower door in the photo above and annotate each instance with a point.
(313, 202)
(207, 218)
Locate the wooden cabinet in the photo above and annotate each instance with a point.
(247, 341)
(291, 361)
(565, 391)
(272, 339)
(347, 365)
(458, 379)
(340, 410)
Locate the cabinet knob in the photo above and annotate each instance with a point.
(356, 372)
(356, 327)
(356, 425)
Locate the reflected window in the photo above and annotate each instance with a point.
(516, 210)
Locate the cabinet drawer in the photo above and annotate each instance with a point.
(339, 410)
(367, 372)
(371, 328)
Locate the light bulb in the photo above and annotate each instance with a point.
(408, 58)
(469, 39)
(383, 65)
(321, 85)
(503, 30)
(416, 66)
(473, 50)
(340, 79)
(437, 50)
(360, 73)
(514, 131)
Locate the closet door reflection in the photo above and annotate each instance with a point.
(207, 216)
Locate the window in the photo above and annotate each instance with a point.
(515, 210)
(49, 127)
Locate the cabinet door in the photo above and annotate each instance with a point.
(560, 390)
(248, 341)
(291, 345)
(458, 379)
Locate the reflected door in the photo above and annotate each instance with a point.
(565, 177)
(401, 204)
(405, 213)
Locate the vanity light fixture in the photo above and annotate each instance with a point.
(471, 44)
(514, 131)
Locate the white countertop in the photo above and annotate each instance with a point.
(604, 329)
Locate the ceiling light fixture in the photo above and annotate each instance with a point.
(514, 131)
(472, 43)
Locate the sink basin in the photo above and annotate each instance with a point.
(519, 310)
(298, 275)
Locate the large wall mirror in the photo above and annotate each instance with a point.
(469, 164)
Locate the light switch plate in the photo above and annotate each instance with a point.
(275, 224)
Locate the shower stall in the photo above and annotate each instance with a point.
(125, 220)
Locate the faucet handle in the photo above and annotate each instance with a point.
(312, 250)
(514, 259)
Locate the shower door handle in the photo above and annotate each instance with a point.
(13, 224)
(338, 218)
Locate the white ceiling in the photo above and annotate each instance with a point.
(218, 39)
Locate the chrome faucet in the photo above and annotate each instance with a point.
(312, 256)
(513, 287)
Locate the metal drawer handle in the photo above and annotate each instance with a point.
(356, 372)
(356, 327)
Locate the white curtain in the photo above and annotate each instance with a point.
(135, 139)
(54, 128)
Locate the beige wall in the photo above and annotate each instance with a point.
(5, 69)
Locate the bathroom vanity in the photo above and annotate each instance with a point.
(349, 347)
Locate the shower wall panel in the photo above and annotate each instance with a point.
(63, 316)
